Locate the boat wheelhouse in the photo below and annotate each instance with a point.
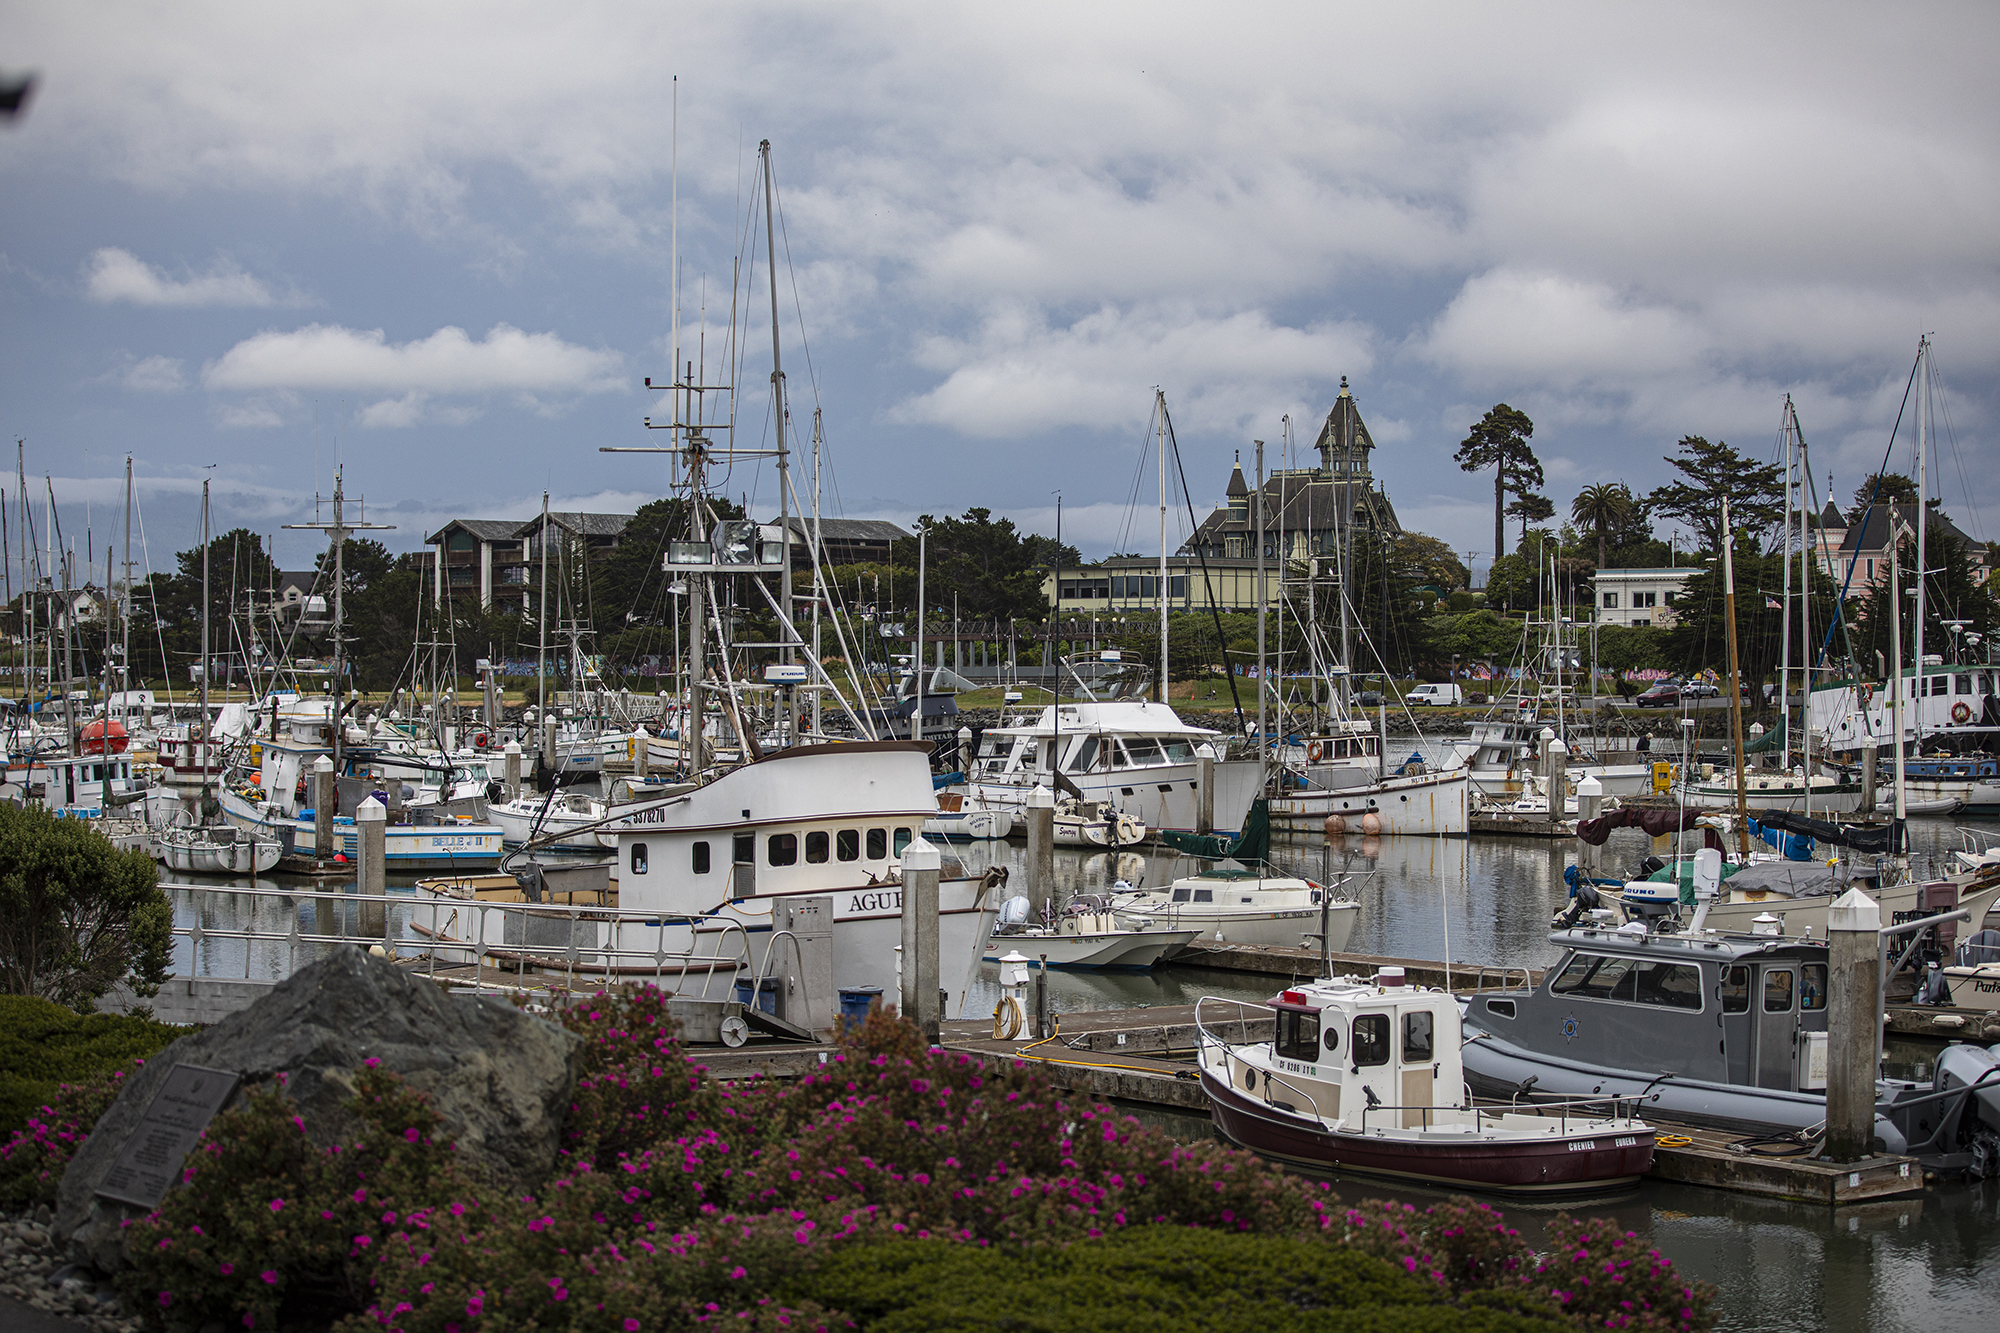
(1365, 1077)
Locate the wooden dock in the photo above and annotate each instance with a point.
(1519, 825)
(1296, 964)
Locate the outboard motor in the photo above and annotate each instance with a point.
(1934, 989)
(1649, 866)
(1014, 911)
(1583, 898)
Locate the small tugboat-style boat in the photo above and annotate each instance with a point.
(1364, 1078)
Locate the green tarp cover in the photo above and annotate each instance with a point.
(1771, 740)
(1251, 846)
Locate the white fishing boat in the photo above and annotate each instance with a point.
(1087, 935)
(1364, 1077)
(1415, 804)
(1240, 906)
(1765, 790)
(212, 849)
(1131, 755)
(558, 821)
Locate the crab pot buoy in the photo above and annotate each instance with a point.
(341, 857)
(1371, 822)
(1336, 826)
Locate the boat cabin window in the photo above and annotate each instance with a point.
(1331, 1036)
(1417, 1038)
(902, 840)
(1591, 976)
(1961, 685)
(1371, 1039)
(638, 858)
(701, 858)
(878, 844)
(1183, 895)
(745, 852)
(847, 844)
(1736, 990)
(1812, 987)
(1669, 985)
(1298, 1034)
(1778, 990)
(1204, 895)
(1177, 752)
(1085, 756)
(816, 848)
(782, 849)
(1985, 684)
(1143, 752)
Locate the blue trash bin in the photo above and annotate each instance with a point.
(767, 994)
(855, 1001)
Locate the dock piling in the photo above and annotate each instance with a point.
(1853, 1021)
(921, 864)
(371, 827)
(1041, 811)
(323, 803)
(512, 751)
(1204, 797)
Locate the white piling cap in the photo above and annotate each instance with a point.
(1548, 734)
(921, 855)
(1558, 747)
(1204, 751)
(371, 811)
(1854, 911)
(323, 764)
(1588, 786)
(1041, 798)
(511, 747)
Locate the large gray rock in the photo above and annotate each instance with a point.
(501, 1078)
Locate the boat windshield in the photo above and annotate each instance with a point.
(1609, 977)
(1297, 1034)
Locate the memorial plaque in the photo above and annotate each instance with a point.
(151, 1159)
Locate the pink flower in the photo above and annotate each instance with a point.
(410, 1135)
(631, 1326)
(228, 1268)
(371, 1062)
(475, 1305)
(277, 1205)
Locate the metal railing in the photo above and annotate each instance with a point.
(473, 945)
(1481, 971)
(1610, 1109)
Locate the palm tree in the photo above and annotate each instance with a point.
(1599, 507)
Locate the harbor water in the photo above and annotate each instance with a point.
(1930, 1264)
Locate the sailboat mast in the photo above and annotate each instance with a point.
(1161, 396)
(1785, 618)
(1735, 683)
(1896, 677)
(204, 634)
(125, 622)
(542, 631)
(1262, 599)
(1923, 527)
(778, 402)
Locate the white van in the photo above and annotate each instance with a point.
(1447, 695)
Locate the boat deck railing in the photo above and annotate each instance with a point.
(1484, 1117)
(473, 937)
(1503, 977)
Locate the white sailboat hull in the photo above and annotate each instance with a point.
(1428, 804)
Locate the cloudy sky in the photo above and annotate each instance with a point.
(433, 242)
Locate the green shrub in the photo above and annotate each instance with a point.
(1138, 1281)
(77, 916)
(43, 1045)
(32, 1162)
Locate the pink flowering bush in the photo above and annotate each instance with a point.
(680, 1202)
(1606, 1278)
(268, 1227)
(33, 1161)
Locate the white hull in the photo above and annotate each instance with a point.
(1775, 794)
(1137, 949)
(406, 847)
(1803, 916)
(1616, 779)
(187, 852)
(970, 825)
(558, 826)
(1429, 804)
(1250, 924)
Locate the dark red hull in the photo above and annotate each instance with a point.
(1575, 1164)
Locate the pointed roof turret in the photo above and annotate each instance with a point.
(1238, 488)
(1344, 442)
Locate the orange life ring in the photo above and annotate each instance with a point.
(1867, 695)
(1961, 712)
(1315, 751)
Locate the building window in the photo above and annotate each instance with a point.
(1233, 546)
(701, 858)
(1645, 600)
(1610, 601)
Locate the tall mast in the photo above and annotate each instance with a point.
(337, 532)
(125, 643)
(204, 636)
(778, 395)
(1735, 683)
(1261, 599)
(1161, 395)
(1923, 526)
(542, 633)
(1785, 618)
(1896, 677)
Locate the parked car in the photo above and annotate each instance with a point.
(1663, 695)
(1701, 689)
(1369, 699)
(1442, 694)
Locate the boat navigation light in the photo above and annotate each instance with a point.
(1388, 977)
